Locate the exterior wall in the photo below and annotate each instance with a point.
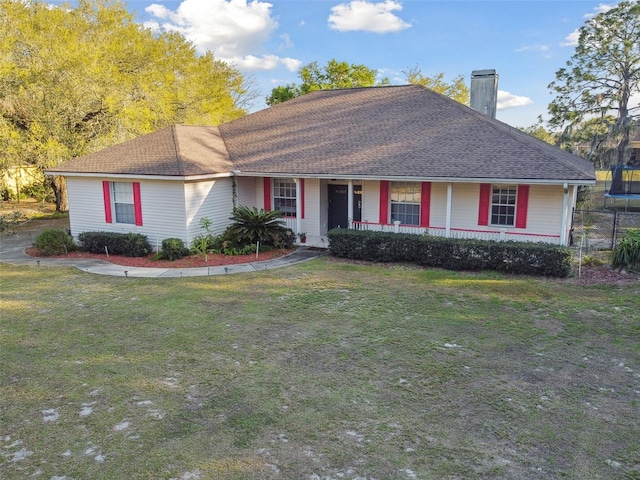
(248, 192)
(212, 199)
(163, 209)
(323, 205)
(312, 206)
(371, 201)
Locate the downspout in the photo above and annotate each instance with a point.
(565, 214)
(448, 217)
(298, 205)
(349, 203)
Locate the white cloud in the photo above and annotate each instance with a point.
(265, 62)
(571, 40)
(234, 30)
(544, 50)
(367, 16)
(286, 41)
(509, 100)
(603, 7)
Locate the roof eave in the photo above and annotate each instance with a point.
(529, 181)
(132, 176)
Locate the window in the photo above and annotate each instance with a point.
(123, 203)
(503, 205)
(124, 199)
(284, 196)
(405, 202)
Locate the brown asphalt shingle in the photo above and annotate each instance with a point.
(178, 150)
(383, 132)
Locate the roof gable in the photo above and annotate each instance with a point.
(178, 150)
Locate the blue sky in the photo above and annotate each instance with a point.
(526, 41)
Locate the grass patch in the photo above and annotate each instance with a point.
(321, 370)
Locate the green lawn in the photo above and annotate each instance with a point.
(325, 370)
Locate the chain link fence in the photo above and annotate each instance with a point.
(602, 229)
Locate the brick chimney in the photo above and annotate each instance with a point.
(484, 92)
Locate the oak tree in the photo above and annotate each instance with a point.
(74, 80)
(598, 83)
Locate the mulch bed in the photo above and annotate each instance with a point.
(193, 261)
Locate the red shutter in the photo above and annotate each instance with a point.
(384, 202)
(302, 195)
(137, 205)
(522, 205)
(425, 204)
(267, 193)
(484, 204)
(106, 195)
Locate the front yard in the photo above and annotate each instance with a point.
(325, 370)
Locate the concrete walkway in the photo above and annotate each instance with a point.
(12, 251)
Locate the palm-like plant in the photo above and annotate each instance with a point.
(251, 225)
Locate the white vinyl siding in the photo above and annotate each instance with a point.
(210, 199)
(249, 191)
(312, 218)
(371, 201)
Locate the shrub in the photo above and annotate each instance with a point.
(173, 249)
(626, 255)
(53, 241)
(127, 244)
(251, 225)
(452, 254)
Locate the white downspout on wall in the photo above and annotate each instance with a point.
(349, 203)
(299, 201)
(565, 215)
(449, 208)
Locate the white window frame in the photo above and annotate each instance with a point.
(122, 203)
(405, 196)
(284, 196)
(502, 212)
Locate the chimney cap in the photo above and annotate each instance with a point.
(484, 73)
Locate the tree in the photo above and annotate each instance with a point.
(334, 75)
(76, 80)
(541, 133)
(599, 80)
(457, 89)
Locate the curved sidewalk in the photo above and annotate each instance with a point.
(12, 251)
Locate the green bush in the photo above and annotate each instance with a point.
(127, 244)
(452, 254)
(173, 249)
(53, 241)
(626, 255)
(251, 226)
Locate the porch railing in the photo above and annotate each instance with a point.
(496, 235)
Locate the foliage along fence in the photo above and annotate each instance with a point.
(451, 253)
(602, 229)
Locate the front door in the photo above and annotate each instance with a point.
(339, 205)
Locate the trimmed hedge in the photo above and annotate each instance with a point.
(173, 249)
(452, 254)
(127, 244)
(53, 241)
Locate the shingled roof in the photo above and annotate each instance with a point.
(376, 132)
(179, 150)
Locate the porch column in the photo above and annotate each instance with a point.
(349, 203)
(447, 224)
(298, 205)
(564, 225)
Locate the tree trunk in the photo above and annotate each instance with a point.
(59, 186)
